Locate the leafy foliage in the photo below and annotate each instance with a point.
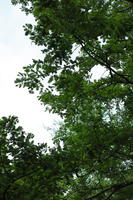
(93, 154)
(19, 160)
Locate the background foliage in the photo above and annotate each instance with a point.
(93, 153)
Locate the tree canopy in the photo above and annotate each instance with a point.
(93, 153)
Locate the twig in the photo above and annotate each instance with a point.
(126, 9)
(114, 187)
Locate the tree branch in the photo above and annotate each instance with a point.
(114, 188)
(125, 9)
(103, 62)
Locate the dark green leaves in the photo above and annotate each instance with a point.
(93, 154)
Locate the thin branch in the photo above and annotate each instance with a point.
(120, 75)
(114, 187)
(89, 53)
(125, 9)
(108, 197)
(103, 62)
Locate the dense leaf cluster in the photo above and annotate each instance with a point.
(93, 153)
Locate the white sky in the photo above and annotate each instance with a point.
(16, 51)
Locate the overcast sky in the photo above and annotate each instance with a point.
(16, 51)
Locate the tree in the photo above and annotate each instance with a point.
(27, 170)
(98, 114)
(19, 160)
